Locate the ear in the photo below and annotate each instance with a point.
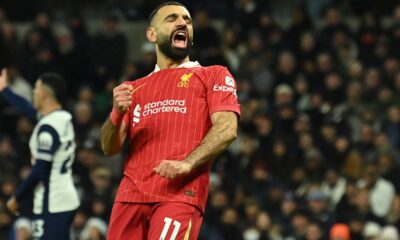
(151, 34)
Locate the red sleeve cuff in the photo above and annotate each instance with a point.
(226, 108)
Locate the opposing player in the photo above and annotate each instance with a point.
(175, 120)
(52, 148)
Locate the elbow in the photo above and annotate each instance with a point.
(231, 135)
(107, 151)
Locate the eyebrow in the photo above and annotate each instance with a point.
(175, 15)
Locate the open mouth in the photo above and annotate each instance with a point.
(179, 39)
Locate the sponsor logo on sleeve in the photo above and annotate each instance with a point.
(229, 87)
(229, 81)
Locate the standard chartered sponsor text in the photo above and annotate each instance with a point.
(165, 106)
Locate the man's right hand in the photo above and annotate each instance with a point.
(122, 97)
(3, 79)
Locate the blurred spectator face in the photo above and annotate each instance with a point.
(331, 177)
(372, 78)
(251, 209)
(44, 55)
(333, 17)
(288, 206)
(279, 149)
(8, 188)
(266, 21)
(301, 86)
(328, 132)
(229, 216)
(317, 202)
(260, 173)
(8, 32)
(314, 232)
(382, 141)
(79, 220)
(42, 21)
(249, 145)
(385, 162)
(300, 223)
(98, 207)
(82, 113)
(229, 38)
(263, 124)
(201, 18)
(286, 63)
(283, 95)
(355, 70)
(385, 95)
(87, 157)
(85, 94)
(307, 42)
(255, 43)
(333, 81)
(34, 39)
(371, 175)
(263, 222)
(65, 42)
(353, 91)
(298, 175)
(302, 124)
(219, 199)
(394, 114)
(6, 149)
(342, 144)
(306, 141)
(396, 14)
(23, 229)
(286, 112)
(367, 134)
(339, 38)
(324, 62)
(391, 65)
(101, 178)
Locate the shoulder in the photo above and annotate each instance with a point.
(56, 119)
(213, 68)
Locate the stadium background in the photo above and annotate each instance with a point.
(319, 86)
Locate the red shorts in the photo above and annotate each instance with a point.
(154, 221)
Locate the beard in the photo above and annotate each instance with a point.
(177, 54)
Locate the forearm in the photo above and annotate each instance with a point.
(111, 140)
(40, 172)
(214, 143)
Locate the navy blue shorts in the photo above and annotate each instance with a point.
(52, 226)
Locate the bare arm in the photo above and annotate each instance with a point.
(112, 137)
(113, 131)
(222, 133)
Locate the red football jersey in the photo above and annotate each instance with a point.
(169, 117)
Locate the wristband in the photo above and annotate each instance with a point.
(116, 117)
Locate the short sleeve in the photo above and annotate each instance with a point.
(221, 92)
(48, 141)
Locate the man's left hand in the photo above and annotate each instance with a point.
(172, 168)
(13, 206)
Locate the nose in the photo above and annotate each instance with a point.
(181, 21)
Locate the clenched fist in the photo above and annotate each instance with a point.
(122, 97)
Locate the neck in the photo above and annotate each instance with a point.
(49, 107)
(164, 62)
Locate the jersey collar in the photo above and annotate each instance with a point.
(183, 65)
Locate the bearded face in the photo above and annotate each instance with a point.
(177, 45)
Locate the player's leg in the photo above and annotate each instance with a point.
(172, 221)
(128, 221)
(53, 226)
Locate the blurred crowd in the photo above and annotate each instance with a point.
(318, 152)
